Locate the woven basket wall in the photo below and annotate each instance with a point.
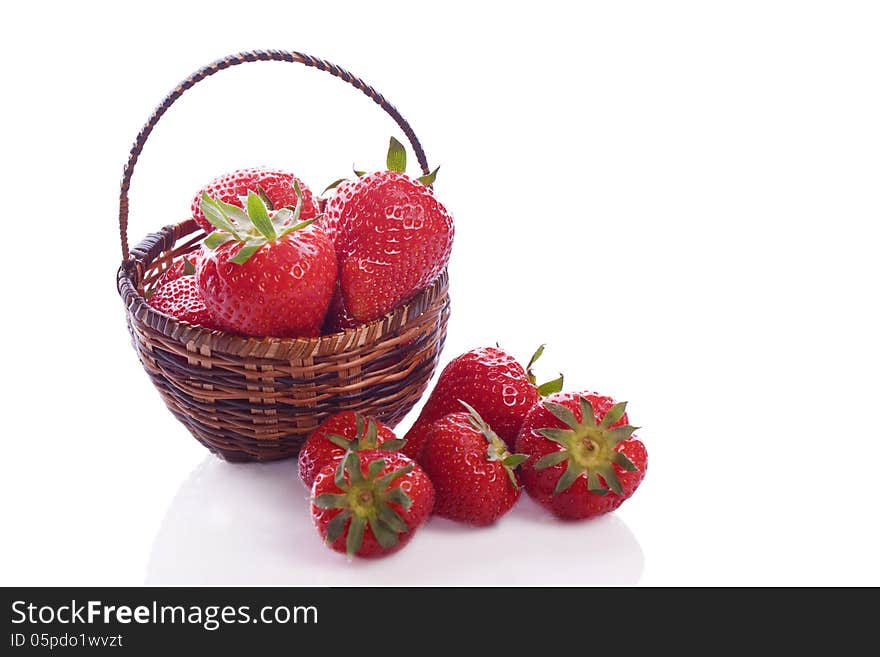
(258, 398)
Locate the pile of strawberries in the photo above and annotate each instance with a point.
(278, 262)
(486, 431)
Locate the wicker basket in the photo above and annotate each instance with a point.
(250, 399)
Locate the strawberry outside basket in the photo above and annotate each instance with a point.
(256, 399)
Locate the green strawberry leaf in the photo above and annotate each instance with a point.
(613, 415)
(188, 267)
(398, 496)
(588, 414)
(329, 501)
(281, 217)
(560, 436)
(336, 525)
(562, 413)
(551, 459)
(247, 251)
(359, 174)
(215, 215)
(353, 467)
(216, 239)
(396, 159)
(265, 197)
(234, 212)
(550, 387)
(611, 480)
(391, 518)
(375, 468)
(534, 358)
(428, 179)
(594, 484)
(297, 210)
(339, 475)
(567, 479)
(394, 445)
(386, 536)
(301, 224)
(383, 482)
(355, 535)
(333, 185)
(514, 460)
(259, 215)
(620, 434)
(339, 441)
(624, 462)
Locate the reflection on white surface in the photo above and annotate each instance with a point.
(249, 524)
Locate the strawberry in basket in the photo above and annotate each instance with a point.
(393, 237)
(177, 293)
(269, 274)
(277, 189)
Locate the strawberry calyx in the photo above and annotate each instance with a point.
(496, 449)
(366, 500)
(366, 437)
(587, 447)
(549, 387)
(395, 160)
(253, 226)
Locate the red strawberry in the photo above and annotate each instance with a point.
(490, 380)
(371, 503)
(471, 469)
(338, 434)
(338, 318)
(180, 298)
(275, 185)
(394, 238)
(269, 274)
(583, 459)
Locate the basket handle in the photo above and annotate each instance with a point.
(235, 60)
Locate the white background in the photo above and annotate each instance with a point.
(680, 198)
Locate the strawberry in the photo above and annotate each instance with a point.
(582, 457)
(269, 274)
(275, 186)
(180, 298)
(471, 469)
(371, 503)
(338, 434)
(393, 237)
(490, 380)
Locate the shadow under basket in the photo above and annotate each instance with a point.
(257, 399)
